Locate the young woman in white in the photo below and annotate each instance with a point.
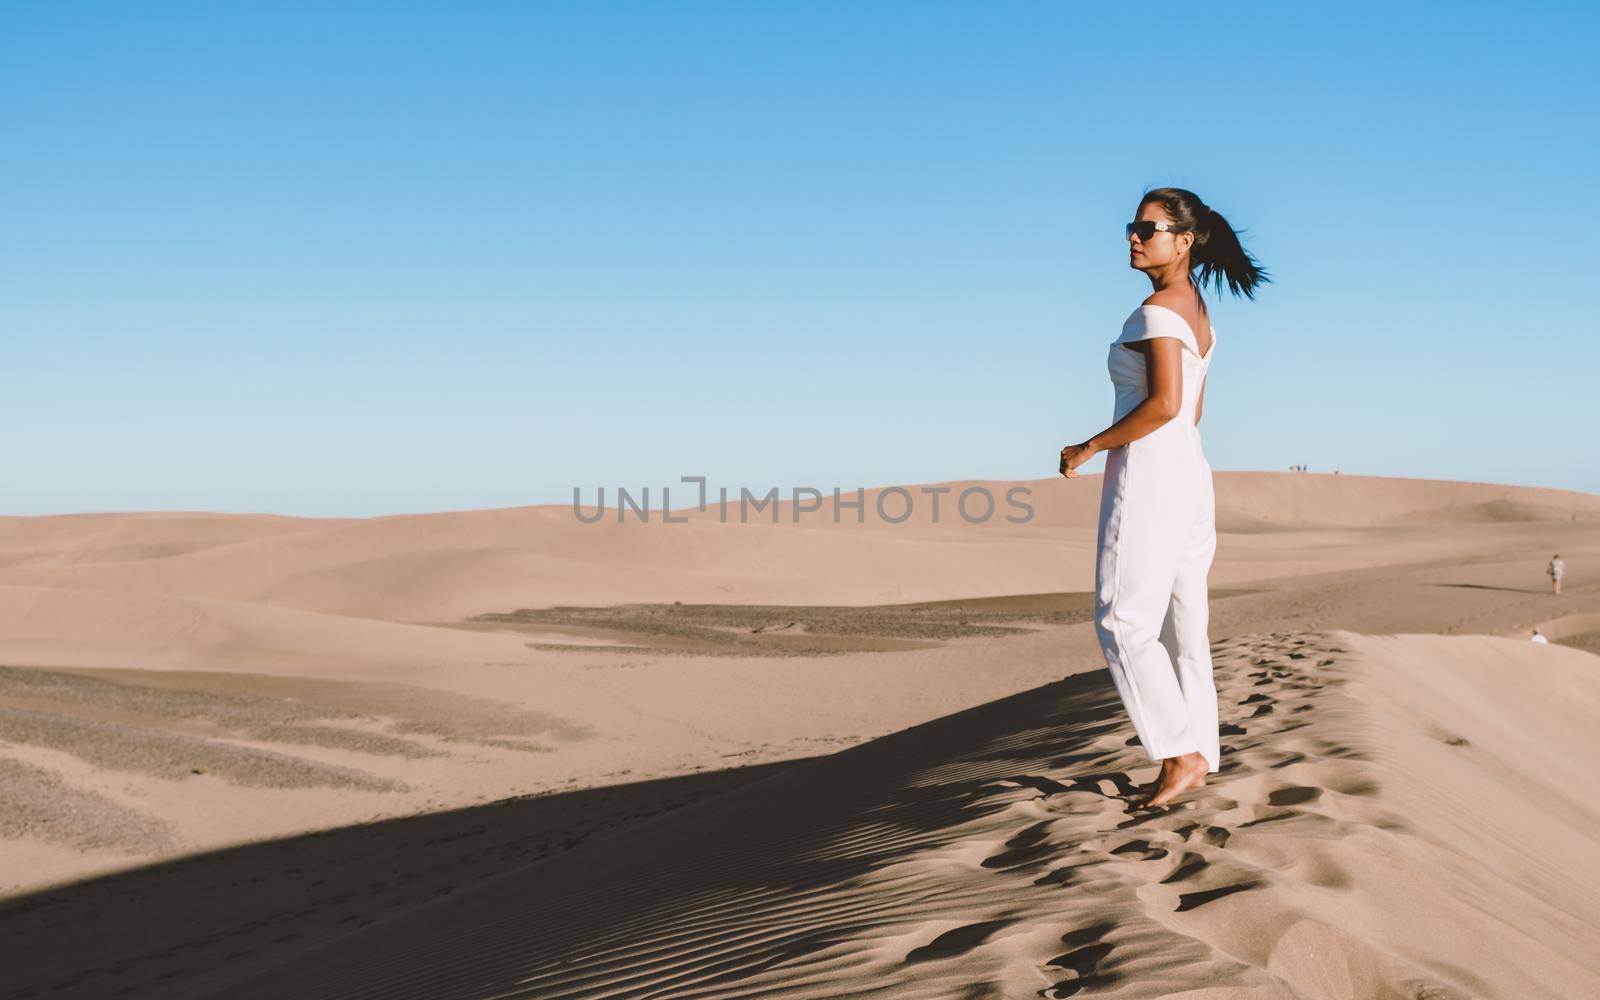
(1157, 530)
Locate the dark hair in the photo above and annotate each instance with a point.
(1216, 251)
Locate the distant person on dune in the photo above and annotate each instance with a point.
(1157, 531)
(1557, 569)
(1539, 637)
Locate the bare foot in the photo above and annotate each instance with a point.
(1178, 775)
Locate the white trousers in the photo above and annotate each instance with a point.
(1156, 539)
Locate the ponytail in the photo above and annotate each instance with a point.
(1216, 252)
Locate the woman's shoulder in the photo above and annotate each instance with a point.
(1148, 316)
(1153, 320)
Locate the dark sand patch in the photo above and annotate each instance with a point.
(1488, 512)
(119, 747)
(337, 738)
(1587, 641)
(297, 710)
(38, 804)
(795, 630)
(277, 720)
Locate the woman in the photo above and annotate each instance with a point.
(1157, 530)
(1557, 569)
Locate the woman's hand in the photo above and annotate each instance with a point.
(1074, 455)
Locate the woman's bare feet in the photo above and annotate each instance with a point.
(1178, 775)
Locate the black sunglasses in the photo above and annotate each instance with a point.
(1148, 229)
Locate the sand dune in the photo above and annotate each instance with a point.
(1366, 838)
(180, 683)
(1354, 845)
(446, 566)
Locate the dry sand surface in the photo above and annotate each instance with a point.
(505, 753)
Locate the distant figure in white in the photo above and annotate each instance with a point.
(1557, 569)
(1539, 637)
(1157, 530)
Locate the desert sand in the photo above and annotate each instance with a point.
(506, 753)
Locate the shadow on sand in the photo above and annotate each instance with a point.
(526, 895)
(1485, 586)
(157, 929)
(900, 857)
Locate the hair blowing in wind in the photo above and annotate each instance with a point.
(1217, 254)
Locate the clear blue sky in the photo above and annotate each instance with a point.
(364, 258)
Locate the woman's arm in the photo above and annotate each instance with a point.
(1163, 399)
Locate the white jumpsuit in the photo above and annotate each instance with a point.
(1156, 538)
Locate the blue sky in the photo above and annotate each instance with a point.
(363, 258)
